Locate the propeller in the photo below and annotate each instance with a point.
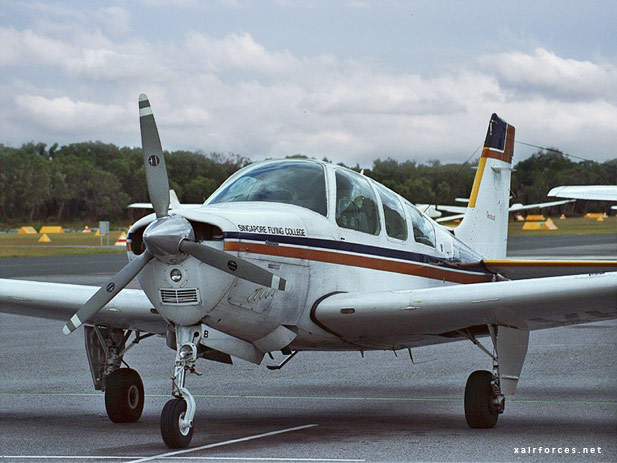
(107, 292)
(170, 238)
(154, 161)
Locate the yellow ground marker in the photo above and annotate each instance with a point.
(596, 215)
(26, 231)
(547, 224)
(44, 239)
(51, 229)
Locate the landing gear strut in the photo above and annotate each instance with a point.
(177, 415)
(484, 401)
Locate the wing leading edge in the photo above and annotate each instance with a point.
(398, 319)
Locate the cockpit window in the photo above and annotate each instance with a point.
(356, 207)
(396, 225)
(423, 231)
(299, 183)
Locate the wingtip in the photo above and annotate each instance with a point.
(143, 97)
(66, 330)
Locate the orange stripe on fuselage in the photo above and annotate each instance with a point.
(359, 261)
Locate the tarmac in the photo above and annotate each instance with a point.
(321, 406)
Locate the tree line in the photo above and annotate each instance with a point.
(96, 181)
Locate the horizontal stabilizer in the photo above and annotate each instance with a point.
(515, 269)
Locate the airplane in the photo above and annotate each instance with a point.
(174, 203)
(299, 255)
(589, 192)
(435, 211)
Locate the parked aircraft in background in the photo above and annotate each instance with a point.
(588, 192)
(299, 255)
(174, 203)
(459, 211)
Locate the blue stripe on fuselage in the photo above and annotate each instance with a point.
(341, 246)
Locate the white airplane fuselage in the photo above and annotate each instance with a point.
(312, 252)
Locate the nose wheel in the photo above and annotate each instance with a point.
(177, 415)
(176, 433)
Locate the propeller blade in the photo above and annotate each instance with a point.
(107, 293)
(233, 265)
(154, 161)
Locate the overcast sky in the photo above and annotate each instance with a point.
(350, 80)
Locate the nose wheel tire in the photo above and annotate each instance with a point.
(124, 396)
(174, 434)
(479, 396)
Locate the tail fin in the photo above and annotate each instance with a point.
(485, 224)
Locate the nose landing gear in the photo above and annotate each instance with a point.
(178, 413)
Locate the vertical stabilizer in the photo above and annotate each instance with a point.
(485, 224)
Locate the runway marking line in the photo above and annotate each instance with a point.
(88, 457)
(220, 444)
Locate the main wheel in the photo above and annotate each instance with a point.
(124, 396)
(174, 435)
(479, 409)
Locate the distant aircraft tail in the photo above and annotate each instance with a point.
(485, 224)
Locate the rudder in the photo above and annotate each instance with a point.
(485, 224)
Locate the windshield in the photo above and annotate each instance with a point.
(300, 183)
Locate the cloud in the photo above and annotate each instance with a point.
(544, 73)
(75, 74)
(236, 51)
(64, 115)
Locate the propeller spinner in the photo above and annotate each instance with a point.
(170, 238)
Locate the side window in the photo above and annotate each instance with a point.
(396, 226)
(423, 231)
(356, 207)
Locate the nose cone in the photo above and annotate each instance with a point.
(163, 236)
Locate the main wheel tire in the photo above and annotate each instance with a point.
(479, 410)
(173, 436)
(124, 396)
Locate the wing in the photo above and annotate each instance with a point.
(591, 192)
(399, 319)
(130, 309)
(523, 207)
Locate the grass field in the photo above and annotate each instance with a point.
(63, 244)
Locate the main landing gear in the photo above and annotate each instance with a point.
(124, 389)
(484, 401)
(178, 413)
(124, 396)
(484, 392)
